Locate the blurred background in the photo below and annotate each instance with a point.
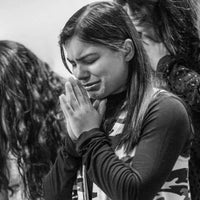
(37, 24)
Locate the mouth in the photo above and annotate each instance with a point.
(91, 86)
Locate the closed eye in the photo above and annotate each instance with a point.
(73, 64)
(89, 60)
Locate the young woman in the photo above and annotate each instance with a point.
(126, 139)
(30, 126)
(169, 33)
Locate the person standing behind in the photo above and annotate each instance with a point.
(169, 31)
(126, 139)
(30, 125)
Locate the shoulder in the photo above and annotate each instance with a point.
(165, 100)
(168, 107)
(168, 117)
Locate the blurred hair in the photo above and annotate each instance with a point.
(175, 23)
(197, 6)
(29, 119)
(107, 24)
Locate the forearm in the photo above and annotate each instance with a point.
(118, 180)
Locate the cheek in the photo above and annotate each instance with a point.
(111, 70)
(118, 77)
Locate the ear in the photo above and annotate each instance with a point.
(129, 49)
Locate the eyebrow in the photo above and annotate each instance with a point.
(83, 57)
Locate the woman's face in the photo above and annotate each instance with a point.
(100, 70)
(154, 47)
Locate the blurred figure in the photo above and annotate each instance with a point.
(30, 122)
(169, 31)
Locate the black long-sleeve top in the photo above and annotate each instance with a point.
(183, 81)
(165, 137)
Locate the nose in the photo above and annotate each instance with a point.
(81, 73)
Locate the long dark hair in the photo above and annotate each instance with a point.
(175, 23)
(30, 127)
(106, 23)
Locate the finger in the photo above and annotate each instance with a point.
(78, 92)
(71, 96)
(65, 106)
(84, 92)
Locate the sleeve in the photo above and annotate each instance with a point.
(58, 183)
(164, 133)
(181, 80)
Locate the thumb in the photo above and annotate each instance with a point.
(96, 104)
(102, 107)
